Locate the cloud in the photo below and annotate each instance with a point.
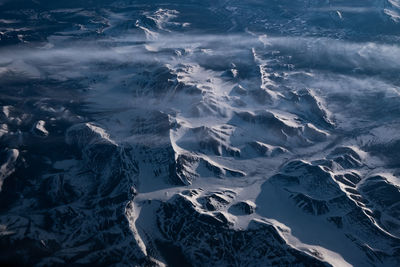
(71, 59)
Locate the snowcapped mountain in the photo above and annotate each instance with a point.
(200, 133)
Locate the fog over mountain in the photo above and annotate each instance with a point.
(200, 133)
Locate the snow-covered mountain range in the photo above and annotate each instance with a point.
(200, 133)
